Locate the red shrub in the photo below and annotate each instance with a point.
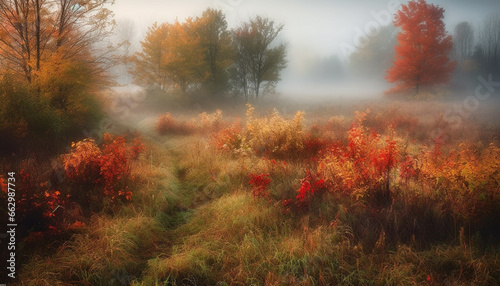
(228, 139)
(105, 170)
(314, 145)
(137, 148)
(115, 168)
(310, 186)
(407, 169)
(166, 124)
(53, 200)
(3, 185)
(362, 168)
(36, 203)
(260, 185)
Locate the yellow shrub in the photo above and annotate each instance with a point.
(211, 122)
(275, 135)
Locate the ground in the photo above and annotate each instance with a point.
(349, 193)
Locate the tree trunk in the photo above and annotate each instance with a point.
(37, 36)
(257, 89)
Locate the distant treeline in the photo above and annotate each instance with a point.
(202, 56)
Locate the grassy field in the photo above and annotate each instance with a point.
(343, 193)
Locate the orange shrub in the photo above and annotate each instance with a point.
(166, 124)
(228, 139)
(468, 178)
(100, 172)
(82, 164)
(363, 167)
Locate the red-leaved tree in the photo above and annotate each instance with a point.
(421, 58)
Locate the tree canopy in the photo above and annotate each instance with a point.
(54, 57)
(202, 55)
(259, 59)
(421, 58)
(32, 31)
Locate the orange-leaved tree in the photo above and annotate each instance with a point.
(421, 58)
(148, 68)
(171, 57)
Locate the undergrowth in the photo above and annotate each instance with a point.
(278, 200)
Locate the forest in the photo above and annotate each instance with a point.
(214, 151)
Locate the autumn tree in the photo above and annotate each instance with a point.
(148, 69)
(54, 55)
(148, 66)
(215, 41)
(183, 55)
(259, 59)
(421, 58)
(171, 57)
(32, 30)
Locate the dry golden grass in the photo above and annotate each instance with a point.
(193, 219)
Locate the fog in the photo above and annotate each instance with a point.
(321, 35)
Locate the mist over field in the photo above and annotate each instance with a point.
(320, 36)
(238, 142)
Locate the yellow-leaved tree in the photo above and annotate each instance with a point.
(185, 56)
(54, 53)
(148, 67)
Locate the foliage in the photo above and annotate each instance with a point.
(200, 52)
(229, 139)
(32, 31)
(70, 86)
(82, 165)
(25, 116)
(275, 136)
(184, 55)
(97, 172)
(211, 121)
(467, 178)
(149, 69)
(376, 54)
(421, 58)
(258, 60)
(50, 54)
(137, 148)
(260, 184)
(288, 220)
(363, 167)
(215, 41)
(312, 185)
(167, 124)
(114, 167)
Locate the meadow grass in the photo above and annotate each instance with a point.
(193, 219)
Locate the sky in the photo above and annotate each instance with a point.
(312, 29)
